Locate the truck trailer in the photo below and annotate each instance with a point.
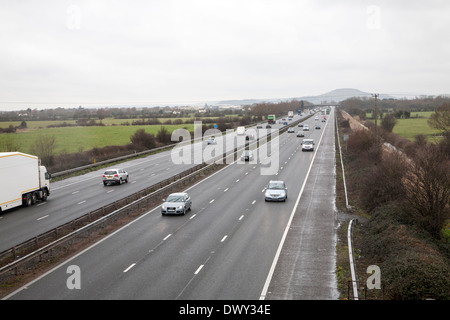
(24, 180)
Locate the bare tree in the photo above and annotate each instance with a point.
(388, 123)
(163, 135)
(441, 118)
(142, 138)
(44, 147)
(427, 185)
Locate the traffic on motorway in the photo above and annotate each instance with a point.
(235, 204)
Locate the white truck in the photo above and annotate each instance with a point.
(24, 180)
(240, 131)
(290, 114)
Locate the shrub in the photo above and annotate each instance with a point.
(383, 183)
(163, 135)
(144, 139)
(363, 144)
(413, 265)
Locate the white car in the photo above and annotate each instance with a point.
(117, 176)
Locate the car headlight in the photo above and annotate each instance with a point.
(267, 194)
(163, 207)
(180, 207)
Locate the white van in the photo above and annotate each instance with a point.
(240, 131)
(308, 145)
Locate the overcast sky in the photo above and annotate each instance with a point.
(71, 53)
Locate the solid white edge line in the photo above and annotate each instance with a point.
(280, 246)
(77, 255)
(198, 269)
(104, 239)
(131, 266)
(167, 237)
(108, 236)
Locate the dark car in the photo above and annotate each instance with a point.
(247, 155)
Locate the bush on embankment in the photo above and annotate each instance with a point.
(407, 202)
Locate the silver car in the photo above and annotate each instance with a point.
(176, 203)
(276, 190)
(115, 176)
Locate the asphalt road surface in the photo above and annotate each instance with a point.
(231, 245)
(73, 197)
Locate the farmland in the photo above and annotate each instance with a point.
(77, 139)
(416, 124)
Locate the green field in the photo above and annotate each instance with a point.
(417, 124)
(81, 138)
(409, 128)
(76, 139)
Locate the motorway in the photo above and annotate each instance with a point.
(73, 197)
(224, 248)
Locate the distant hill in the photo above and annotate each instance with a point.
(336, 96)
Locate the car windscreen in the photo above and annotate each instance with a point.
(275, 185)
(109, 172)
(175, 199)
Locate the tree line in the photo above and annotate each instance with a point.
(112, 112)
(400, 108)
